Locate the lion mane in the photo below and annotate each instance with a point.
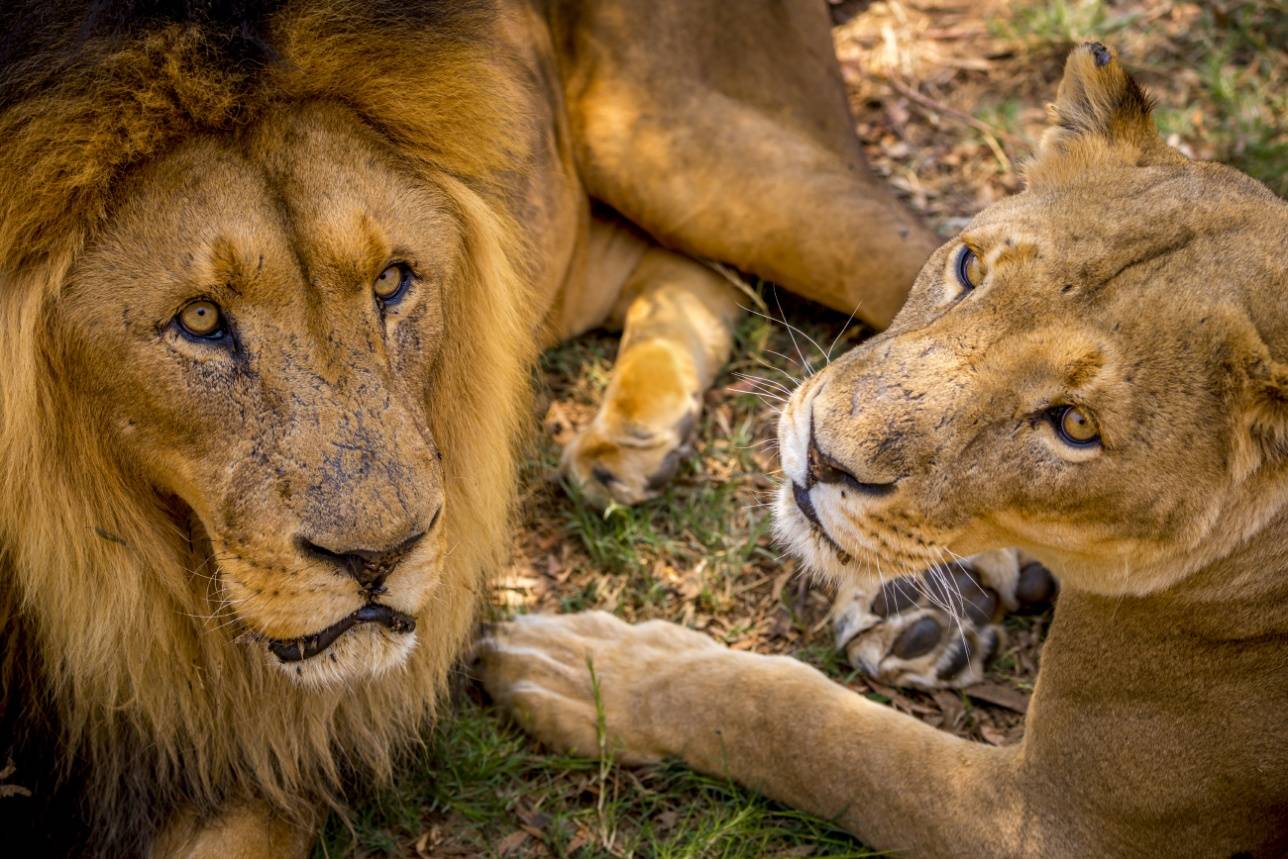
(107, 654)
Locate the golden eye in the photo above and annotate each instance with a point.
(1076, 426)
(970, 268)
(392, 283)
(202, 318)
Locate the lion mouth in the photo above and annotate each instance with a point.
(296, 649)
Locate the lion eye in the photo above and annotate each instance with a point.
(1076, 427)
(970, 268)
(391, 284)
(202, 319)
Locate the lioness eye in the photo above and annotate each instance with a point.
(970, 268)
(391, 284)
(1076, 427)
(202, 318)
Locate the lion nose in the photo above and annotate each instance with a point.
(369, 567)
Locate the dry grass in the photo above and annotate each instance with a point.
(949, 99)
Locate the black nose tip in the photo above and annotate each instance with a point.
(369, 567)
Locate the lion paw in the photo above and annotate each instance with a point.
(588, 683)
(624, 461)
(939, 629)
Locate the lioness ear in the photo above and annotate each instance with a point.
(1101, 117)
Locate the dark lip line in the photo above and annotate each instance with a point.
(800, 495)
(306, 646)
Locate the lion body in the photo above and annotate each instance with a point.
(174, 505)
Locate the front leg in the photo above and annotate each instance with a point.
(771, 723)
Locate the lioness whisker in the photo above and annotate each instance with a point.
(763, 381)
(761, 388)
(827, 358)
(788, 358)
(923, 587)
(764, 396)
(763, 364)
(792, 330)
(956, 614)
(961, 562)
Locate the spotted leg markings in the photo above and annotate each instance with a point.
(936, 630)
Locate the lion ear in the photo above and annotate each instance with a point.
(1101, 116)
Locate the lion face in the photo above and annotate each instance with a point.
(256, 334)
(1075, 374)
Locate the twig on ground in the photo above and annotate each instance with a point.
(992, 136)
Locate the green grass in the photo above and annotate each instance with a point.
(721, 524)
(483, 781)
(1055, 26)
(1240, 52)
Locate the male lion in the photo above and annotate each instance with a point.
(1096, 371)
(271, 282)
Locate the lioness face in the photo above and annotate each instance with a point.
(256, 332)
(1070, 375)
(1085, 372)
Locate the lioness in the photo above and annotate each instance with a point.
(272, 277)
(1095, 370)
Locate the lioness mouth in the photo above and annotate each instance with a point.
(806, 506)
(295, 649)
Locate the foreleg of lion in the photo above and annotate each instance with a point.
(774, 724)
(241, 832)
(677, 317)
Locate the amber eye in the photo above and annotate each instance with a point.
(391, 284)
(970, 268)
(202, 318)
(1076, 426)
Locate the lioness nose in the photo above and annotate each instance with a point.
(825, 469)
(369, 567)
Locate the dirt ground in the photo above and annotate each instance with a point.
(948, 98)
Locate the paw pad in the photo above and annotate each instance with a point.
(1035, 586)
(918, 639)
(934, 630)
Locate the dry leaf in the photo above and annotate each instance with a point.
(1002, 696)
